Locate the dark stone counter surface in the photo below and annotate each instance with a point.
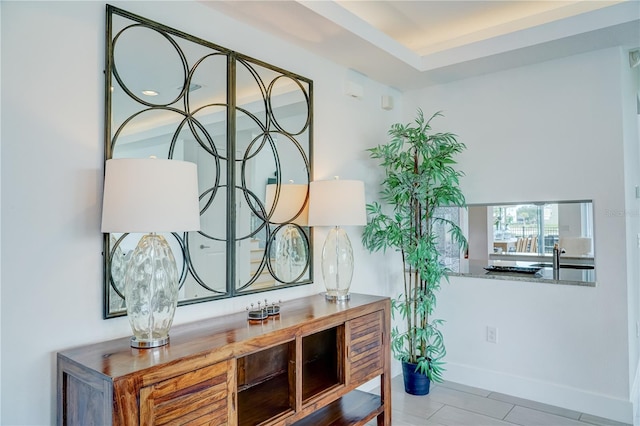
(565, 275)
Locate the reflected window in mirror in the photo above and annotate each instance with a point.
(246, 124)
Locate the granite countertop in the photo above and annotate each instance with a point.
(545, 274)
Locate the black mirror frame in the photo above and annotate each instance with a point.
(233, 58)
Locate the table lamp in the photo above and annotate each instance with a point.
(337, 203)
(287, 204)
(150, 196)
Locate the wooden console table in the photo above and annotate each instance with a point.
(299, 368)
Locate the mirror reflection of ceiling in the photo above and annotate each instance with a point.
(435, 41)
(150, 51)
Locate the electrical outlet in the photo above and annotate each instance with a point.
(492, 334)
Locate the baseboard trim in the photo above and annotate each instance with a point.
(545, 392)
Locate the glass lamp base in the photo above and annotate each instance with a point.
(290, 255)
(337, 264)
(337, 297)
(146, 344)
(151, 291)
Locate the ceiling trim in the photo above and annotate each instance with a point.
(591, 20)
(596, 20)
(352, 23)
(331, 31)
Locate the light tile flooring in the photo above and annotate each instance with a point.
(452, 404)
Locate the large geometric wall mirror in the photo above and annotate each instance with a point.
(247, 125)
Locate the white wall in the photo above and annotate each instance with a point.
(52, 165)
(563, 345)
(631, 106)
(551, 131)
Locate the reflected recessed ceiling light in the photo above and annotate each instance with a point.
(150, 93)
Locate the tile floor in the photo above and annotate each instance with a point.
(452, 404)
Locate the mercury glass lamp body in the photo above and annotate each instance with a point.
(151, 291)
(337, 264)
(291, 255)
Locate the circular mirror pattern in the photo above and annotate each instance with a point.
(247, 125)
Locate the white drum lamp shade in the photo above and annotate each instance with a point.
(291, 201)
(337, 203)
(149, 196)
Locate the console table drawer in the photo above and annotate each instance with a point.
(200, 394)
(366, 344)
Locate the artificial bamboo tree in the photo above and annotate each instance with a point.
(419, 177)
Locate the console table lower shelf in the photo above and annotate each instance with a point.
(300, 368)
(356, 407)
